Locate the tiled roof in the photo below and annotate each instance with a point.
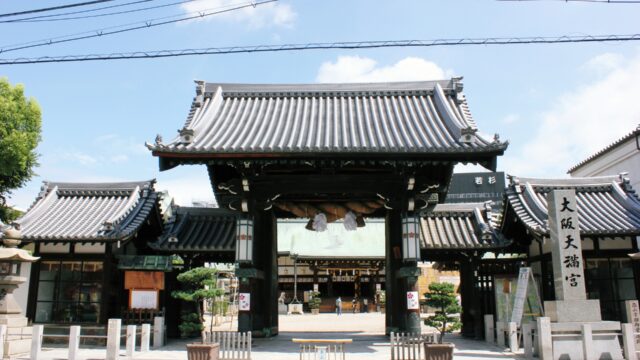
(88, 211)
(606, 205)
(461, 226)
(198, 229)
(610, 147)
(405, 117)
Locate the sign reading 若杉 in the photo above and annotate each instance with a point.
(566, 253)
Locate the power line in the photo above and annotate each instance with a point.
(47, 18)
(75, 12)
(54, 8)
(123, 28)
(323, 46)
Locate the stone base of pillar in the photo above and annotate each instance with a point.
(600, 347)
(17, 339)
(573, 310)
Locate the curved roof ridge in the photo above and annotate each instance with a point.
(364, 87)
(576, 181)
(605, 150)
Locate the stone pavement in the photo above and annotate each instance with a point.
(366, 330)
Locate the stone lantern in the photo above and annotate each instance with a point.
(18, 338)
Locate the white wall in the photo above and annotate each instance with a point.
(623, 158)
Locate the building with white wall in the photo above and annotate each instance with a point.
(621, 156)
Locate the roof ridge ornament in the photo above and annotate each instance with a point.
(186, 135)
(467, 135)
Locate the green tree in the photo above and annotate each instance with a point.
(20, 122)
(442, 297)
(200, 287)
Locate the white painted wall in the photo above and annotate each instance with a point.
(623, 158)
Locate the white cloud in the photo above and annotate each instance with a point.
(511, 119)
(604, 63)
(80, 157)
(581, 122)
(260, 16)
(118, 158)
(186, 185)
(363, 69)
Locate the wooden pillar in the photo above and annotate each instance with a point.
(471, 317)
(395, 297)
(260, 280)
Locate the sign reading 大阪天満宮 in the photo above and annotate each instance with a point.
(566, 254)
(571, 303)
(633, 318)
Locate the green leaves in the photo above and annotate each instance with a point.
(442, 297)
(20, 126)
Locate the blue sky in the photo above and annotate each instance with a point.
(556, 104)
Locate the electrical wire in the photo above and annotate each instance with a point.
(324, 46)
(47, 18)
(54, 8)
(127, 27)
(77, 12)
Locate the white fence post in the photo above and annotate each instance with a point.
(489, 328)
(527, 340)
(513, 336)
(3, 337)
(74, 342)
(545, 345)
(145, 337)
(113, 339)
(158, 331)
(36, 341)
(629, 342)
(587, 342)
(131, 341)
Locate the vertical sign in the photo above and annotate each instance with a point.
(244, 301)
(521, 294)
(413, 302)
(315, 287)
(633, 318)
(568, 271)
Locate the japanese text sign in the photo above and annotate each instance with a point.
(244, 301)
(413, 302)
(568, 271)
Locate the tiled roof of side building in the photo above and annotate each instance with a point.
(405, 117)
(607, 205)
(608, 148)
(461, 226)
(91, 212)
(198, 229)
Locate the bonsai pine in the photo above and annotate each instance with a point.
(315, 300)
(200, 286)
(441, 296)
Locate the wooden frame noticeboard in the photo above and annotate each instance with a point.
(144, 288)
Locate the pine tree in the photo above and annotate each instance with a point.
(441, 296)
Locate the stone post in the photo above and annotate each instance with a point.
(158, 331)
(527, 340)
(145, 337)
(3, 337)
(36, 341)
(74, 342)
(489, 329)
(131, 341)
(512, 328)
(545, 347)
(571, 304)
(587, 342)
(629, 342)
(500, 334)
(113, 339)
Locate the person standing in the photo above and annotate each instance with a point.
(339, 306)
(353, 305)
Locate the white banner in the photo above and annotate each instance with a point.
(521, 294)
(413, 301)
(244, 301)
